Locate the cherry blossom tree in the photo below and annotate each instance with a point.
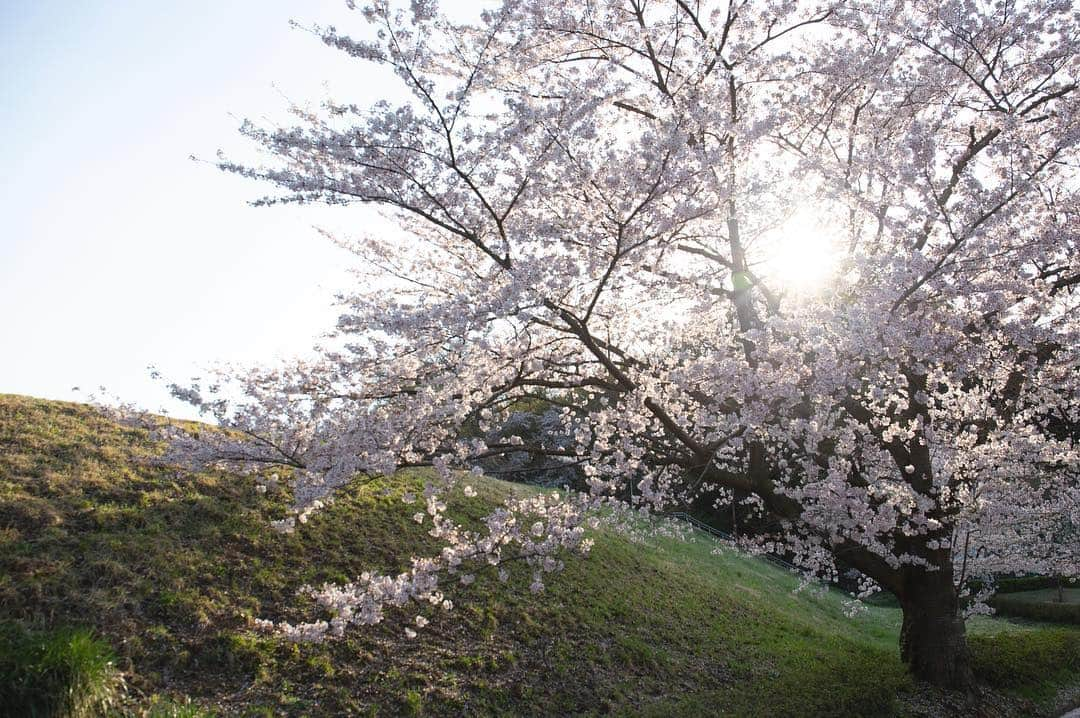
(595, 197)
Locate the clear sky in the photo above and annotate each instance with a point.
(116, 250)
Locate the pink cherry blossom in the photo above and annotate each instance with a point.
(589, 194)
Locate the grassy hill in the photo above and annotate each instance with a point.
(134, 586)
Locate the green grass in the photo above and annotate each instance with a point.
(167, 568)
(63, 672)
(1034, 662)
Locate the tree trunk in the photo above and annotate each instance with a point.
(933, 641)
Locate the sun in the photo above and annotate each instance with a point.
(801, 256)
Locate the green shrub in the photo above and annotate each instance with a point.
(59, 672)
(1031, 583)
(1024, 583)
(1027, 659)
(414, 703)
(1009, 605)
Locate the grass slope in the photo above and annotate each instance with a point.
(168, 568)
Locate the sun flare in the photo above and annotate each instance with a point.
(801, 255)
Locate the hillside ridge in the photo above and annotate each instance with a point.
(169, 569)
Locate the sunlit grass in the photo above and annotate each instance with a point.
(168, 568)
(64, 672)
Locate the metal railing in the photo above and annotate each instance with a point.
(712, 530)
(699, 524)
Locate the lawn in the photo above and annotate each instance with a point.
(163, 571)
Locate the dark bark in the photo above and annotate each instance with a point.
(933, 638)
(933, 641)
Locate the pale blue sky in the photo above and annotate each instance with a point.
(116, 250)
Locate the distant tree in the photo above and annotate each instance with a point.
(593, 195)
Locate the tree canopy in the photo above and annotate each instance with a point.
(605, 205)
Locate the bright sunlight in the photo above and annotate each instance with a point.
(801, 255)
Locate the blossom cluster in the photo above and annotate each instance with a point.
(587, 192)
